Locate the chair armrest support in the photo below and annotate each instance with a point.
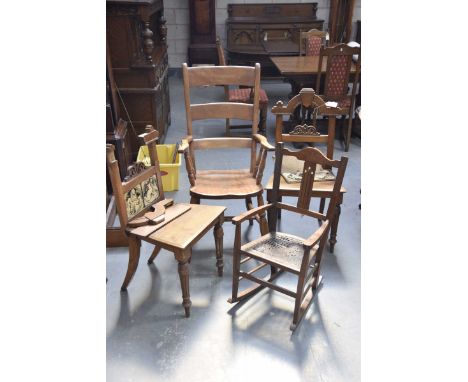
(250, 213)
(264, 142)
(301, 211)
(184, 146)
(317, 235)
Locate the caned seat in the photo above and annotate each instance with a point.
(225, 183)
(284, 252)
(280, 249)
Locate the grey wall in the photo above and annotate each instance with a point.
(177, 16)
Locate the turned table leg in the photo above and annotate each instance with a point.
(134, 245)
(183, 269)
(218, 235)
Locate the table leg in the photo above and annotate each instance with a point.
(218, 235)
(134, 245)
(183, 269)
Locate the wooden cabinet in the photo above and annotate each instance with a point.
(202, 48)
(255, 32)
(137, 49)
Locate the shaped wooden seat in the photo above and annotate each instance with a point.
(230, 184)
(225, 183)
(148, 216)
(284, 252)
(243, 95)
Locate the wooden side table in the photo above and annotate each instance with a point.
(179, 236)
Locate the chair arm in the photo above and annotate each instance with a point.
(184, 145)
(301, 211)
(250, 214)
(264, 142)
(317, 235)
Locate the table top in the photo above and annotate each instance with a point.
(301, 65)
(182, 232)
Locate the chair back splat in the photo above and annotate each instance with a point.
(225, 183)
(282, 251)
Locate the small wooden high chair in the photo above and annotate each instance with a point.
(148, 216)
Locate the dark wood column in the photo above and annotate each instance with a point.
(202, 48)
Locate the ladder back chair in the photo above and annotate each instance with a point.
(311, 42)
(243, 95)
(307, 106)
(233, 183)
(147, 216)
(338, 61)
(284, 252)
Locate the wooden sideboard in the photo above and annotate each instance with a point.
(136, 38)
(255, 32)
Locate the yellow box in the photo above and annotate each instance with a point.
(169, 171)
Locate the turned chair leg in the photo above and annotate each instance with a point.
(321, 209)
(218, 235)
(334, 227)
(183, 269)
(236, 258)
(134, 245)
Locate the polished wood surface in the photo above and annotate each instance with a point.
(304, 108)
(284, 252)
(257, 32)
(231, 95)
(157, 220)
(302, 65)
(225, 183)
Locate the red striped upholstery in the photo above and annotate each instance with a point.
(243, 95)
(313, 46)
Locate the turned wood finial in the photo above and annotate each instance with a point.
(110, 154)
(148, 44)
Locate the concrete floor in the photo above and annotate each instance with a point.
(148, 336)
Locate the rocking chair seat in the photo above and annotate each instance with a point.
(279, 249)
(218, 184)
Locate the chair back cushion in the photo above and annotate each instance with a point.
(313, 45)
(336, 84)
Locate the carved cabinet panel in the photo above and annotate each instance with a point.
(136, 38)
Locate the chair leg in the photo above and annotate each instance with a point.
(348, 132)
(334, 227)
(236, 258)
(218, 235)
(194, 200)
(183, 269)
(263, 222)
(134, 245)
(321, 209)
(297, 305)
(228, 128)
(249, 206)
(156, 250)
(263, 118)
